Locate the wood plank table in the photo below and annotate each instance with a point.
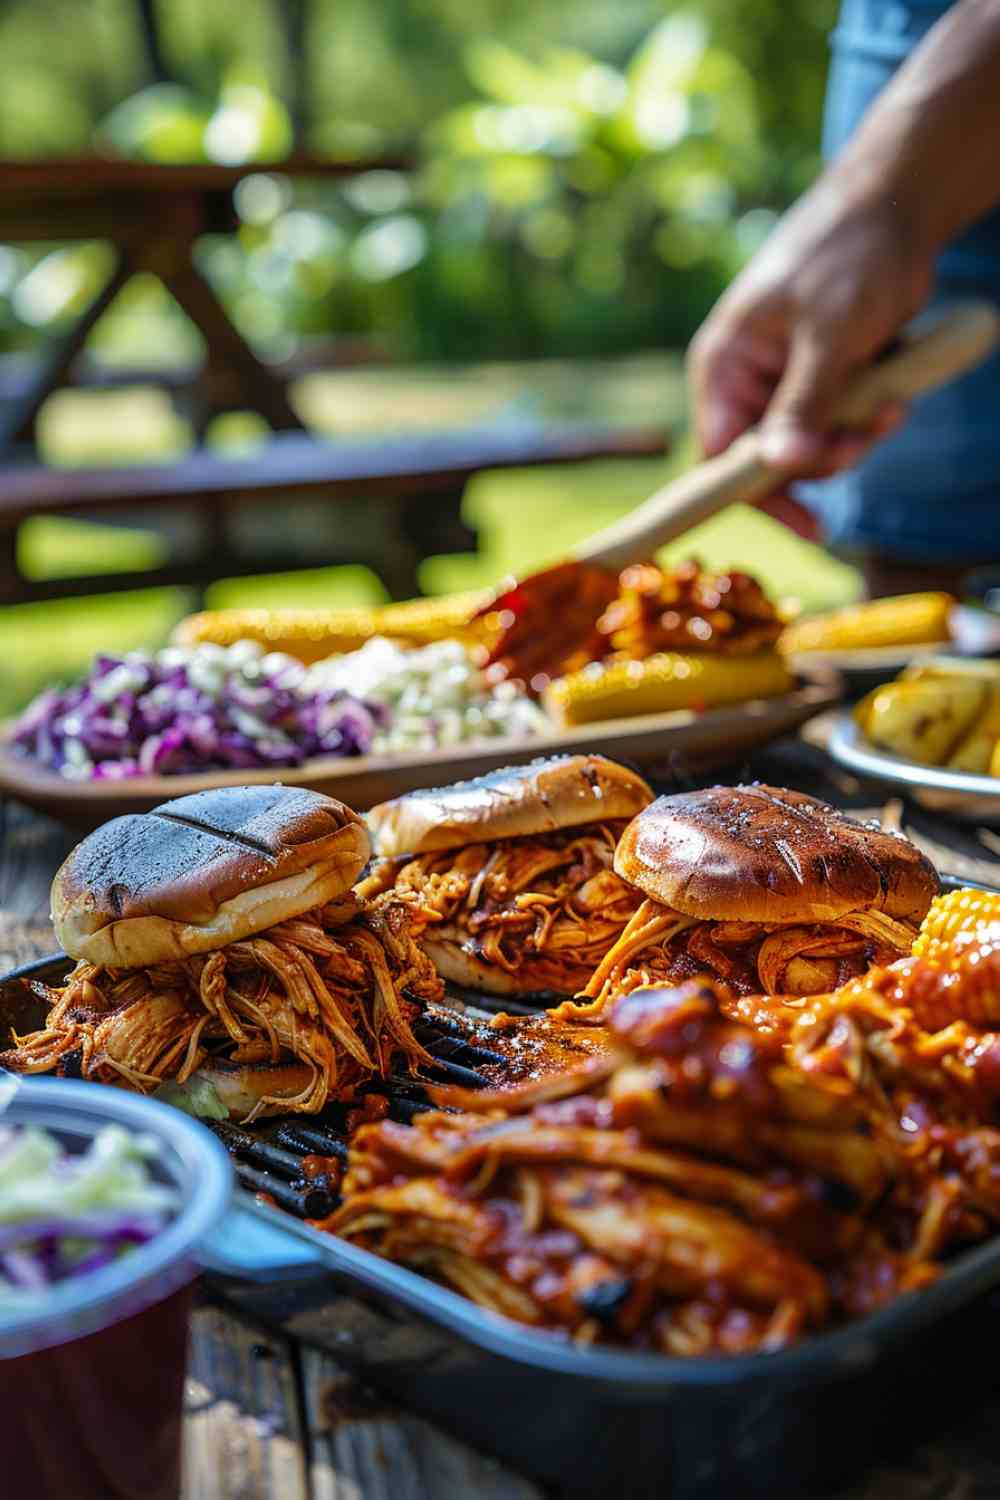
(271, 1418)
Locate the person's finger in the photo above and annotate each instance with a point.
(795, 430)
(732, 378)
(889, 419)
(847, 449)
(730, 407)
(783, 507)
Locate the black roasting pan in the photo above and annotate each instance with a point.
(596, 1423)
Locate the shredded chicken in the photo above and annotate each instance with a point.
(546, 908)
(660, 946)
(698, 1187)
(730, 1173)
(335, 995)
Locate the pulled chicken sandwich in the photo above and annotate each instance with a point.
(768, 890)
(220, 949)
(508, 878)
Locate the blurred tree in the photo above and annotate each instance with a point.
(594, 173)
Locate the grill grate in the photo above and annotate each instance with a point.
(303, 1138)
(271, 1161)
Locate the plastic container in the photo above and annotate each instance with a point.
(91, 1385)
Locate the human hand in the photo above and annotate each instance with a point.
(833, 285)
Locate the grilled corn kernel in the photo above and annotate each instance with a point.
(312, 634)
(923, 720)
(667, 681)
(955, 913)
(907, 619)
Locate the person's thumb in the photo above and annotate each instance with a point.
(795, 430)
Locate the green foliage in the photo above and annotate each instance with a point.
(592, 177)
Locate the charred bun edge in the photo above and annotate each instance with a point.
(546, 795)
(766, 854)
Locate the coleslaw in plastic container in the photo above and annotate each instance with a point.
(65, 1214)
(107, 1195)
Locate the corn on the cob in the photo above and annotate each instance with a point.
(955, 913)
(905, 620)
(984, 668)
(975, 751)
(312, 634)
(923, 720)
(618, 689)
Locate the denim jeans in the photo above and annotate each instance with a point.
(931, 492)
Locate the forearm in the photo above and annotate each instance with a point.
(930, 144)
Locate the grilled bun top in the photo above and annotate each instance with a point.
(764, 854)
(560, 792)
(203, 871)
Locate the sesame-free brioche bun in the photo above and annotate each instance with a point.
(512, 802)
(764, 854)
(203, 871)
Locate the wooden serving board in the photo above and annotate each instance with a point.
(673, 744)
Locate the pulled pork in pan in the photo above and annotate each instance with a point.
(320, 1000)
(661, 946)
(543, 908)
(733, 1173)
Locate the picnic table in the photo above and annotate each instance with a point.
(273, 1414)
(400, 494)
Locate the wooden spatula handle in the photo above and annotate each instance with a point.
(934, 349)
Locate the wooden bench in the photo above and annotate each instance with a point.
(412, 487)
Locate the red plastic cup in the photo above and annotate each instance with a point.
(92, 1382)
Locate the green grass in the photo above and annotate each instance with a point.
(524, 518)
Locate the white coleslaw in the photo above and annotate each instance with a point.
(65, 1214)
(433, 695)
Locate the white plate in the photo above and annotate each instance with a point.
(956, 793)
(882, 662)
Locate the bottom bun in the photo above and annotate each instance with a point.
(241, 1086)
(460, 967)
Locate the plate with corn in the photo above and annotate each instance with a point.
(934, 732)
(871, 640)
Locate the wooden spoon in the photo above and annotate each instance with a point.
(552, 615)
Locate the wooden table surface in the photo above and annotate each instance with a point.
(269, 1418)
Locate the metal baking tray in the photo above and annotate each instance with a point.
(587, 1422)
(954, 793)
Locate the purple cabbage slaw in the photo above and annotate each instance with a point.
(64, 1215)
(190, 709)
